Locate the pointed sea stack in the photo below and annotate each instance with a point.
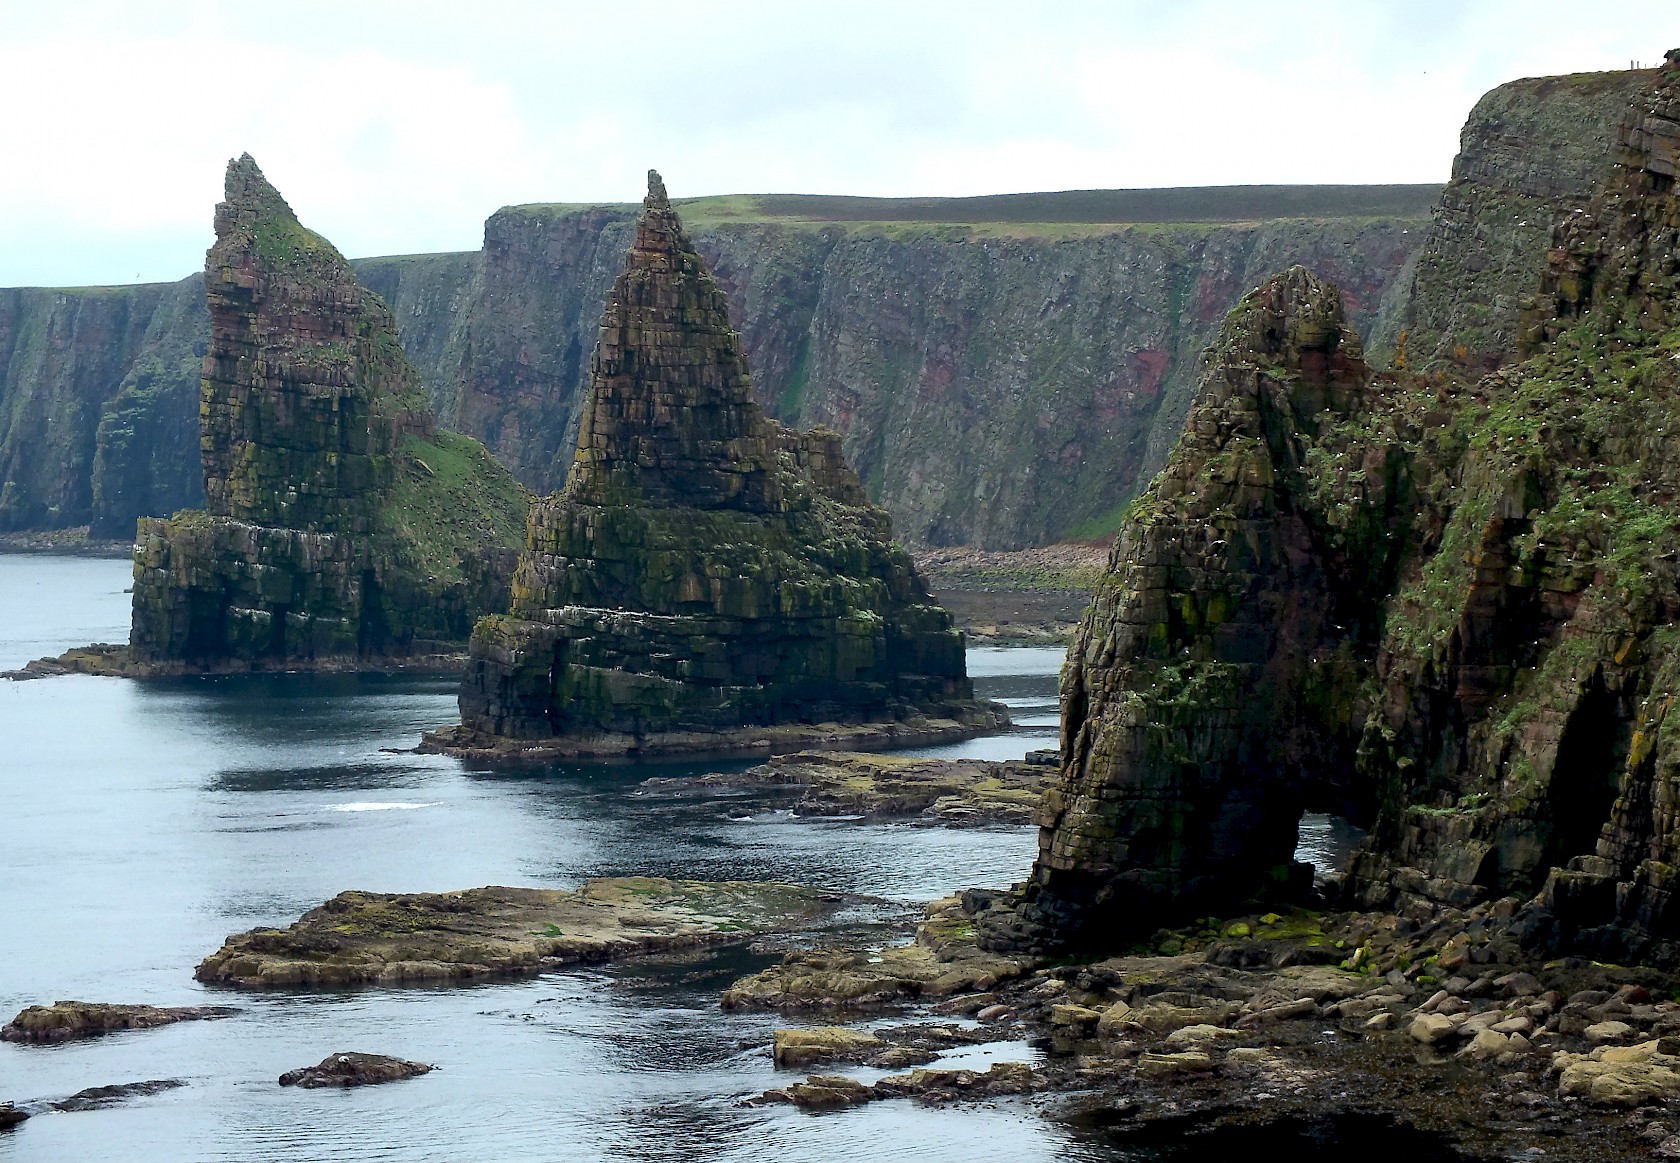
(705, 569)
(343, 529)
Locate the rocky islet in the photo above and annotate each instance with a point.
(706, 576)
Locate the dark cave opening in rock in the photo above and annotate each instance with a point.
(1326, 842)
(1586, 774)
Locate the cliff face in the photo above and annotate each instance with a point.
(704, 568)
(340, 524)
(1002, 385)
(1445, 608)
(1530, 149)
(997, 381)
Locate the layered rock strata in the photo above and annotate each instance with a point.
(705, 569)
(1443, 608)
(340, 523)
(960, 346)
(366, 938)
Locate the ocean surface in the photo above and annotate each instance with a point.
(144, 822)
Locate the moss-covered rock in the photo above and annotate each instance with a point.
(705, 569)
(341, 524)
(1444, 608)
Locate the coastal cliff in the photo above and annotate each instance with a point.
(1443, 607)
(1003, 371)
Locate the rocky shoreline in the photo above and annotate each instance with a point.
(751, 741)
(949, 792)
(1267, 1020)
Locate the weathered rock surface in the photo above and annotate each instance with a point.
(340, 524)
(1200, 702)
(363, 938)
(350, 1068)
(886, 327)
(1530, 150)
(797, 1048)
(10, 1116)
(943, 960)
(705, 570)
(64, 1020)
(956, 792)
(1442, 608)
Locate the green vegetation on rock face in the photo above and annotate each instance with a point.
(1448, 609)
(341, 524)
(704, 568)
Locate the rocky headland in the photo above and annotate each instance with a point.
(708, 580)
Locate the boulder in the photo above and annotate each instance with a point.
(805, 1047)
(354, 1069)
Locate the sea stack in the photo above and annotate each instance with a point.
(341, 527)
(705, 569)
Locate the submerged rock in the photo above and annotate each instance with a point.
(353, 1069)
(64, 1020)
(341, 527)
(10, 1116)
(707, 577)
(100, 1097)
(955, 792)
(364, 938)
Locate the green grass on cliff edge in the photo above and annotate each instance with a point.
(451, 498)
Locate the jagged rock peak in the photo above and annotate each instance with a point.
(671, 417)
(656, 196)
(1292, 317)
(254, 214)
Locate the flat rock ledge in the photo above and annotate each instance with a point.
(350, 1068)
(109, 660)
(951, 792)
(750, 741)
(366, 938)
(943, 960)
(64, 1020)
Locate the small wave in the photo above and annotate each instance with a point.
(381, 806)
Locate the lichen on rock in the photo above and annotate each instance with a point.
(704, 569)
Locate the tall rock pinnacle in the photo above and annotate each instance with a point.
(342, 527)
(305, 391)
(671, 416)
(705, 569)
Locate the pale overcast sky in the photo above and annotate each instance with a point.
(396, 127)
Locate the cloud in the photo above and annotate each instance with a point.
(399, 126)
